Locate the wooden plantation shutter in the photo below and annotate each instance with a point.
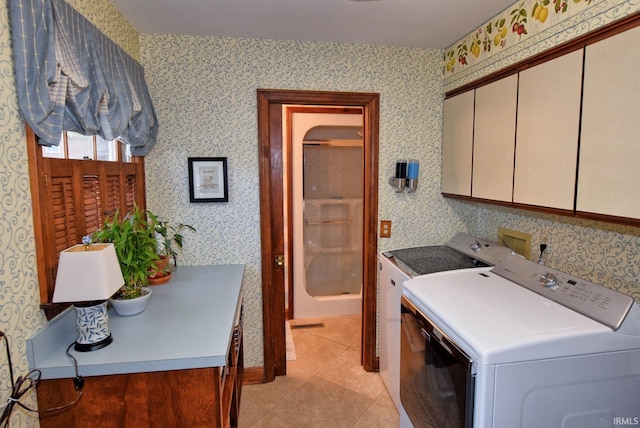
(131, 185)
(71, 199)
(92, 202)
(63, 218)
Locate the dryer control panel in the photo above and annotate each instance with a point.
(597, 302)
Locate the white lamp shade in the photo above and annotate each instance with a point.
(87, 273)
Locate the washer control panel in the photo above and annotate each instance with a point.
(485, 251)
(597, 302)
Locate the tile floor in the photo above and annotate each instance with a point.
(324, 387)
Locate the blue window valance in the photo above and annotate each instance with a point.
(71, 77)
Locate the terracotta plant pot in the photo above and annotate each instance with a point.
(161, 273)
(160, 278)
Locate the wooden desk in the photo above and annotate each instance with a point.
(179, 363)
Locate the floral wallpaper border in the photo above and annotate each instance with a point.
(510, 27)
(526, 28)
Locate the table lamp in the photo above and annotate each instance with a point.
(88, 275)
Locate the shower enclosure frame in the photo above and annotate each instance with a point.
(302, 302)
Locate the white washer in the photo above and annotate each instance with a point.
(547, 349)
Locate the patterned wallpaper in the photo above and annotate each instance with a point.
(20, 316)
(204, 90)
(603, 253)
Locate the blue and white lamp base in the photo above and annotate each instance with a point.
(92, 325)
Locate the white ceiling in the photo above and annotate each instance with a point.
(409, 23)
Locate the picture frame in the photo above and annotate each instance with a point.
(208, 180)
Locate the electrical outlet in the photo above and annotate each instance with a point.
(385, 229)
(544, 251)
(545, 241)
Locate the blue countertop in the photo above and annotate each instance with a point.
(188, 324)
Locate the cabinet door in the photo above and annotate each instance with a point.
(494, 140)
(547, 133)
(457, 144)
(609, 172)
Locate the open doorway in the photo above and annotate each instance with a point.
(324, 183)
(272, 208)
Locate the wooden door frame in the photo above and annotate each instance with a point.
(270, 148)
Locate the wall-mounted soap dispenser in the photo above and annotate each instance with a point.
(406, 176)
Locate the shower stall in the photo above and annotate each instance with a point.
(328, 221)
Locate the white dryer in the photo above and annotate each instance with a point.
(461, 252)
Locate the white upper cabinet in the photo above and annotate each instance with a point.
(494, 140)
(609, 171)
(560, 135)
(547, 133)
(457, 144)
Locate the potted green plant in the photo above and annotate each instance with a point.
(134, 239)
(171, 238)
(169, 241)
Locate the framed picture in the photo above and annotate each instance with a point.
(208, 180)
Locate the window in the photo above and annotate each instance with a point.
(88, 147)
(75, 187)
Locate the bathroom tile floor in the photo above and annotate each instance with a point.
(324, 387)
